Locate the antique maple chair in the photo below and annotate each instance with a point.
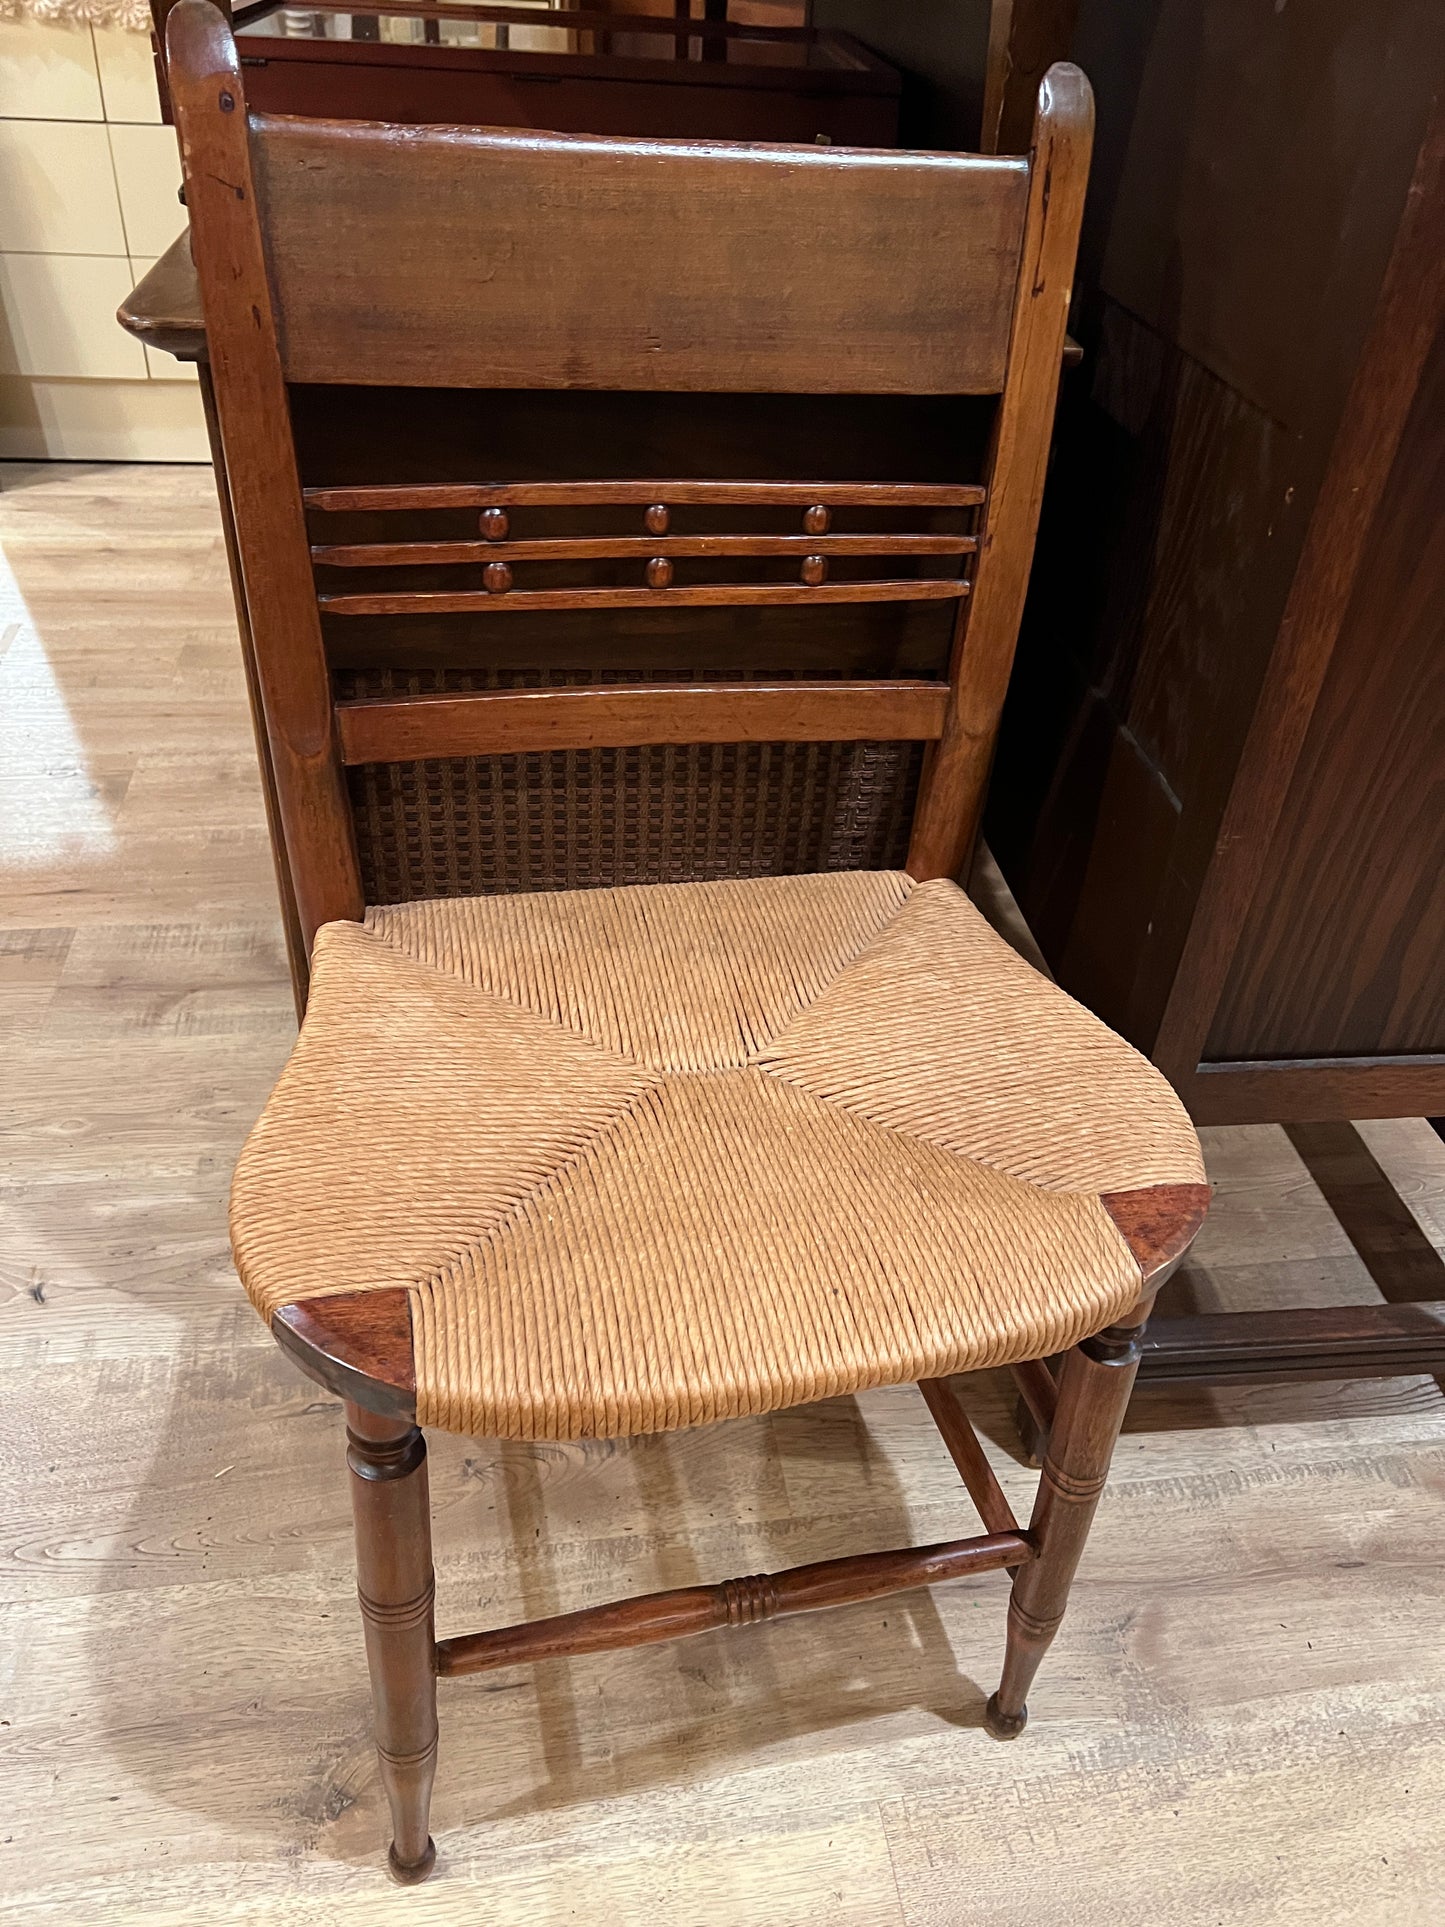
(768, 1113)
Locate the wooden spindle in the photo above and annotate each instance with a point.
(387, 1458)
(657, 519)
(815, 570)
(655, 1617)
(497, 578)
(495, 524)
(968, 1455)
(816, 519)
(1093, 1394)
(659, 572)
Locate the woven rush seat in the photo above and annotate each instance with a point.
(651, 1157)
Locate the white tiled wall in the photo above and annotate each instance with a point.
(88, 181)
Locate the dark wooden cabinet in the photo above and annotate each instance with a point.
(1340, 951)
(1221, 794)
(1220, 788)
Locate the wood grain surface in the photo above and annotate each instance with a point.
(1244, 1711)
(727, 268)
(484, 724)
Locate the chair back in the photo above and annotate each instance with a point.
(616, 510)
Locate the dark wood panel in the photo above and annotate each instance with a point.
(1262, 143)
(1342, 949)
(941, 49)
(1382, 395)
(748, 268)
(468, 436)
(1308, 1089)
(1200, 449)
(861, 641)
(391, 87)
(1351, 1341)
(1170, 526)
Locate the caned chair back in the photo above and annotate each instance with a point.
(618, 510)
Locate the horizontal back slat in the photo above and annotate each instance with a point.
(381, 731)
(674, 493)
(440, 602)
(392, 555)
(452, 257)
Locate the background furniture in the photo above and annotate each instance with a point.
(1218, 798)
(575, 70)
(1230, 839)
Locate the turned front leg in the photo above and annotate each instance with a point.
(1094, 1389)
(392, 1509)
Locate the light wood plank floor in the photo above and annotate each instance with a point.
(1241, 1721)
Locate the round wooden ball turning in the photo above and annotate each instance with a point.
(1004, 1726)
(657, 519)
(816, 520)
(815, 569)
(497, 577)
(495, 524)
(659, 572)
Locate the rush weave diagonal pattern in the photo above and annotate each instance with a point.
(655, 1156)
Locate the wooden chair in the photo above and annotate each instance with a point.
(563, 1163)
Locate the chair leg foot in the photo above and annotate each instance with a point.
(413, 1874)
(1094, 1389)
(1004, 1726)
(389, 1497)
